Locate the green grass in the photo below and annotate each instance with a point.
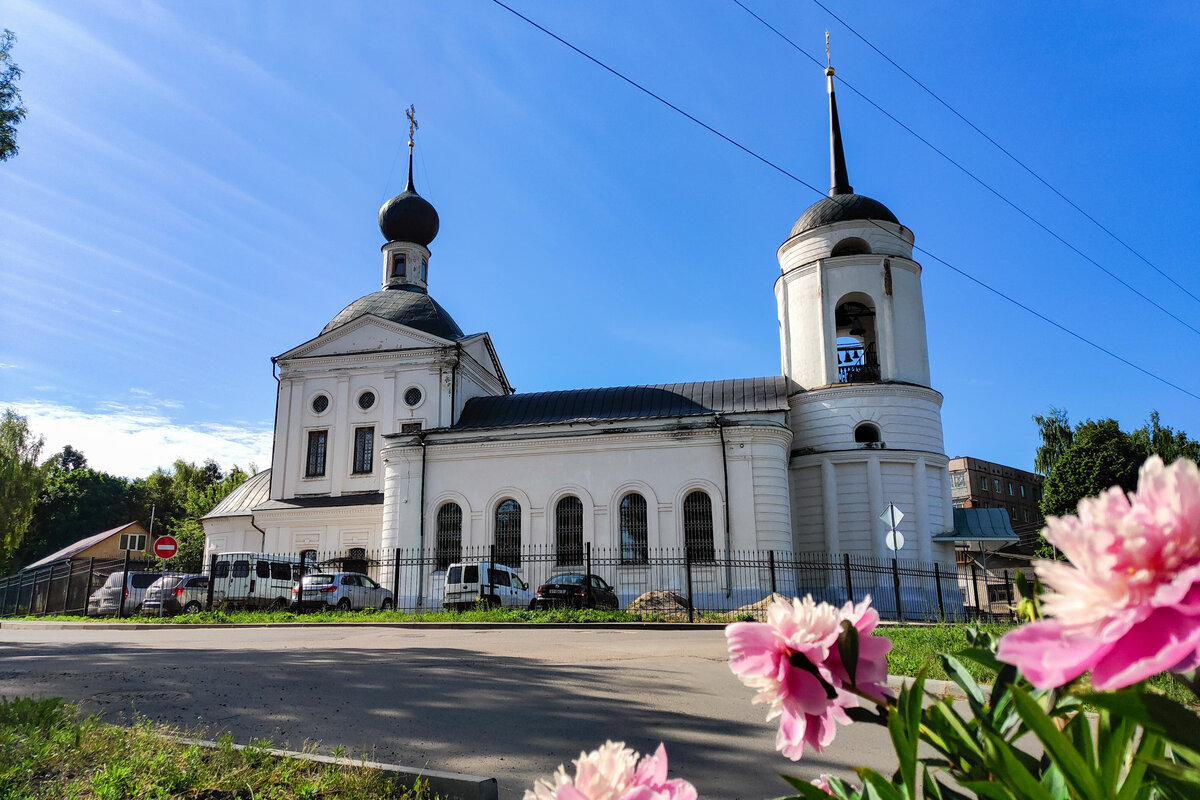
(47, 753)
(916, 645)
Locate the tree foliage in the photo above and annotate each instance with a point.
(20, 482)
(48, 507)
(11, 110)
(1095, 455)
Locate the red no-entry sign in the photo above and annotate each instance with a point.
(165, 546)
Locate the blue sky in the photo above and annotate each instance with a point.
(198, 184)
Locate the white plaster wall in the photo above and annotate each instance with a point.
(908, 417)
(600, 469)
(863, 484)
(884, 237)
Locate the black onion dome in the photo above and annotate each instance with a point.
(408, 217)
(842, 208)
(407, 305)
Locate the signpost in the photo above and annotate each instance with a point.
(891, 517)
(165, 546)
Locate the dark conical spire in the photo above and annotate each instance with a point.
(839, 181)
(408, 187)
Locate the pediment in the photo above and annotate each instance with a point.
(367, 334)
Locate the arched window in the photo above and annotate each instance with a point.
(698, 527)
(866, 432)
(568, 532)
(633, 530)
(448, 547)
(508, 533)
(850, 246)
(857, 344)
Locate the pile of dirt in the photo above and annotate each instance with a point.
(759, 609)
(659, 602)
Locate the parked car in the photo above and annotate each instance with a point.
(575, 590)
(468, 585)
(106, 600)
(175, 594)
(344, 591)
(254, 580)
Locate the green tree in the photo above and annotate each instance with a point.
(11, 110)
(188, 530)
(74, 502)
(1056, 433)
(1100, 455)
(20, 481)
(1168, 444)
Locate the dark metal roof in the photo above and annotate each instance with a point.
(241, 501)
(980, 525)
(841, 208)
(407, 305)
(738, 396)
(364, 499)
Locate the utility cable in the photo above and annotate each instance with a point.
(977, 179)
(1005, 151)
(809, 186)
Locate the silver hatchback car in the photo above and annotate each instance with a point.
(176, 594)
(106, 600)
(344, 591)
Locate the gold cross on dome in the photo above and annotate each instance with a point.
(412, 122)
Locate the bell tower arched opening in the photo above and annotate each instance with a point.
(857, 340)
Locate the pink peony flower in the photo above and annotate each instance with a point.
(761, 656)
(1127, 606)
(613, 772)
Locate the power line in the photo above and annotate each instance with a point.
(977, 179)
(1003, 150)
(809, 186)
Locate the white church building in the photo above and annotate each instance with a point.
(394, 429)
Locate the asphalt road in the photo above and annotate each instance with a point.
(507, 703)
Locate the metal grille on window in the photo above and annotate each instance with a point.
(634, 549)
(698, 527)
(316, 454)
(568, 532)
(449, 535)
(508, 533)
(355, 560)
(364, 449)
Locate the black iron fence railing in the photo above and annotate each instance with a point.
(656, 583)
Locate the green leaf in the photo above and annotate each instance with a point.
(989, 789)
(1012, 772)
(983, 657)
(1078, 774)
(1153, 712)
(847, 645)
(958, 673)
(804, 790)
(876, 786)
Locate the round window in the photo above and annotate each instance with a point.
(366, 400)
(320, 403)
(413, 396)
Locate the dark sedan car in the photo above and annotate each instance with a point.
(575, 590)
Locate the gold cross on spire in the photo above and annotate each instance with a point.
(828, 60)
(412, 123)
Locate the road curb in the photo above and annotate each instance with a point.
(125, 626)
(453, 785)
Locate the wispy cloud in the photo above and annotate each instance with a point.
(133, 441)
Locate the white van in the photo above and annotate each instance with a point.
(254, 580)
(468, 585)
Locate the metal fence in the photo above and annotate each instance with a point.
(655, 583)
(60, 588)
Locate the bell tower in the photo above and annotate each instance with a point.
(866, 424)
